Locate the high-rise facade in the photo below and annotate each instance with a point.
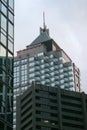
(6, 63)
(44, 62)
(49, 108)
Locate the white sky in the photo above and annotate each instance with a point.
(67, 21)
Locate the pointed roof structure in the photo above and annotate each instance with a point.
(44, 34)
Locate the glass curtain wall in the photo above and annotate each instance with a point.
(6, 63)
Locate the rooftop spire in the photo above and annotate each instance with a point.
(44, 26)
(44, 29)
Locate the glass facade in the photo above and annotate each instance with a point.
(43, 69)
(43, 62)
(6, 63)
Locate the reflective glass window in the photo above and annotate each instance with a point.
(52, 79)
(51, 56)
(43, 82)
(32, 69)
(2, 51)
(42, 71)
(4, 9)
(11, 17)
(51, 63)
(40, 54)
(3, 22)
(16, 62)
(31, 58)
(5, 0)
(10, 45)
(23, 60)
(9, 54)
(31, 75)
(31, 80)
(3, 39)
(42, 66)
(10, 29)
(42, 61)
(11, 3)
(53, 84)
(31, 64)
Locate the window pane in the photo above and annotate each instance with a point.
(4, 9)
(11, 17)
(3, 39)
(9, 54)
(2, 51)
(10, 46)
(11, 3)
(3, 22)
(10, 29)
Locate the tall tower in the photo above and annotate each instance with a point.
(44, 62)
(6, 63)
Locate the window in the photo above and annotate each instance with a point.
(16, 62)
(61, 76)
(11, 3)
(53, 84)
(10, 29)
(4, 9)
(31, 75)
(10, 45)
(60, 58)
(16, 68)
(61, 81)
(3, 39)
(32, 69)
(40, 54)
(42, 61)
(52, 79)
(42, 66)
(24, 67)
(31, 80)
(52, 68)
(43, 82)
(2, 51)
(31, 64)
(11, 17)
(23, 60)
(61, 70)
(51, 63)
(3, 22)
(31, 58)
(42, 76)
(42, 71)
(51, 56)
(52, 73)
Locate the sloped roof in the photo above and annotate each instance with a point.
(41, 38)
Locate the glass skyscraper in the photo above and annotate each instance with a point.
(44, 62)
(6, 63)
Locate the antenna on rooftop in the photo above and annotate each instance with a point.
(44, 26)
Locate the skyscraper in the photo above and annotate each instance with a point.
(6, 63)
(44, 62)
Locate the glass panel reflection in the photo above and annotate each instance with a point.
(3, 39)
(10, 29)
(11, 3)
(3, 22)
(2, 51)
(10, 46)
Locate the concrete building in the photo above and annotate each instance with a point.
(44, 62)
(6, 63)
(51, 108)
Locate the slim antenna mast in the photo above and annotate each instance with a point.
(44, 26)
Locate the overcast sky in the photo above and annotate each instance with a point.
(67, 22)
